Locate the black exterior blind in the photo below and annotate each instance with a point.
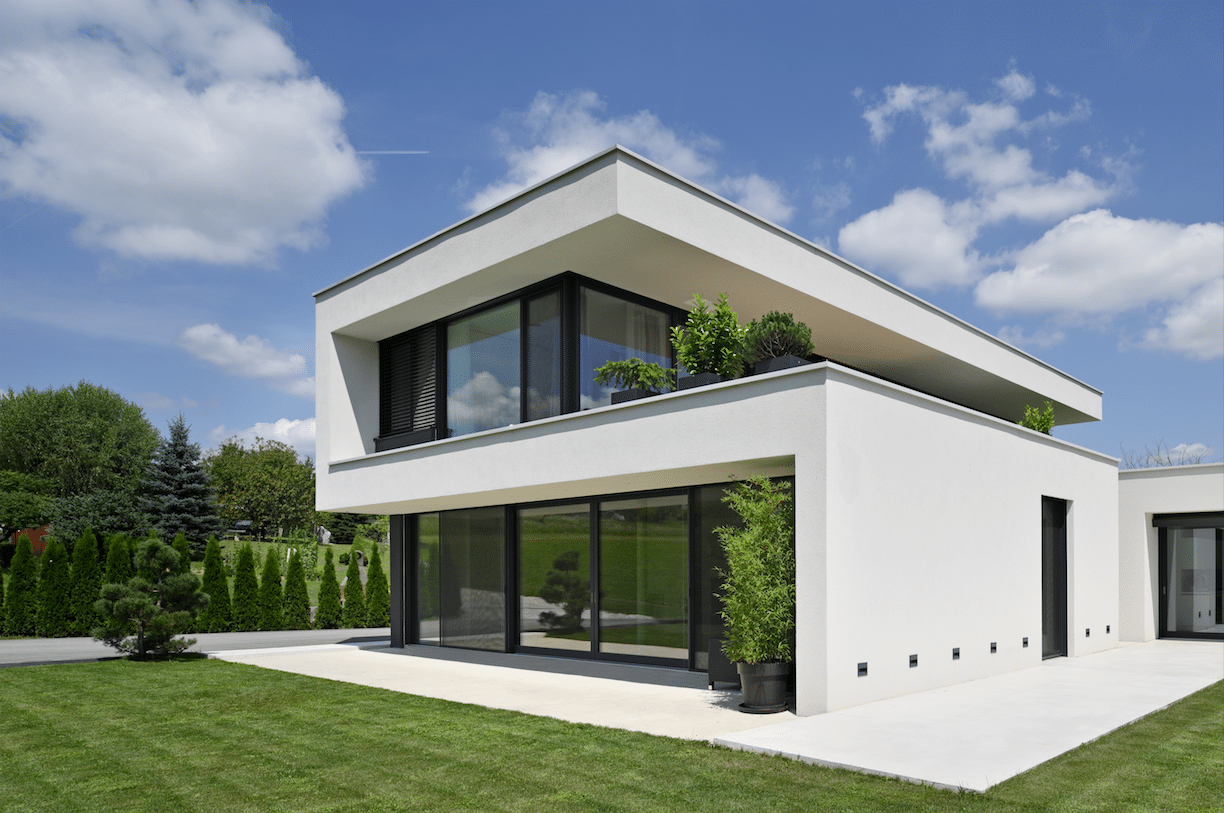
(407, 371)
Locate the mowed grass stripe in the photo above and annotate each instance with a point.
(213, 736)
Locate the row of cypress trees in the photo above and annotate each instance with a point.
(53, 595)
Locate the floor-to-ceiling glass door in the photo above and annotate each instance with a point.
(1053, 577)
(1191, 576)
(606, 578)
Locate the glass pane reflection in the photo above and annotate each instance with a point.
(1195, 592)
(482, 370)
(555, 577)
(615, 329)
(643, 569)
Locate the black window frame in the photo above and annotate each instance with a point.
(568, 285)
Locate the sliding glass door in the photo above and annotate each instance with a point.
(1191, 577)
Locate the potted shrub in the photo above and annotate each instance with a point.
(636, 378)
(758, 591)
(777, 342)
(710, 345)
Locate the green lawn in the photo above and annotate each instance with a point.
(200, 735)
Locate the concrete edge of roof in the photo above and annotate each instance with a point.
(781, 231)
(828, 366)
(1171, 471)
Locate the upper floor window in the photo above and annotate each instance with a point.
(521, 358)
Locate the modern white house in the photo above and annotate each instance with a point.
(936, 540)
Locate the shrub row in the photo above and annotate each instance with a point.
(53, 595)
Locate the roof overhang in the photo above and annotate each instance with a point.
(622, 220)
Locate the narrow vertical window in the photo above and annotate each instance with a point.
(543, 374)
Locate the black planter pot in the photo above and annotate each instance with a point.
(699, 380)
(764, 687)
(631, 395)
(779, 363)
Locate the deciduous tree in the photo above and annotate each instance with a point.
(265, 484)
(25, 502)
(88, 442)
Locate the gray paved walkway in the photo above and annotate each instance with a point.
(35, 651)
(972, 735)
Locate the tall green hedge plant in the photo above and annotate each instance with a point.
(758, 585)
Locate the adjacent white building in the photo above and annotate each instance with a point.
(936, 540)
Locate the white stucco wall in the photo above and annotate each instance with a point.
(1142, 493)
(933, 541)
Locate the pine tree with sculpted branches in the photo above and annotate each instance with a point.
(144, 615)
(297, 600)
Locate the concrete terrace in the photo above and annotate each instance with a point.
(968, 736)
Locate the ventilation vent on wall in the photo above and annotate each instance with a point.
(913, 661)
(863, 669)
(956, 653)
(1106, 629)
(994, 647)
(1025, 644)
(1087, 633)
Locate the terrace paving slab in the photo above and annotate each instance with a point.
(969, 736)
(974, 735)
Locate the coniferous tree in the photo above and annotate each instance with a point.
(378, 593)
(20, 597)
(327, 617)
(297, 600)
(118, 560)
(271, 595)
(85, 584)
(354, 614)
(178, 494)
(217, 616)
(55, 576)
(145, 613)
(180, 544)
(2, 613)
(246, 592)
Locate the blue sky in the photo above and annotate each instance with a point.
(177, 179)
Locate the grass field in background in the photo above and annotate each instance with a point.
(201, 735)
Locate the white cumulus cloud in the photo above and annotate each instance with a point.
(175, 130)
(300, 434)
(970, 142)
(252, 357)
(558, 131)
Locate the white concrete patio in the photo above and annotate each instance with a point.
(969, 736)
